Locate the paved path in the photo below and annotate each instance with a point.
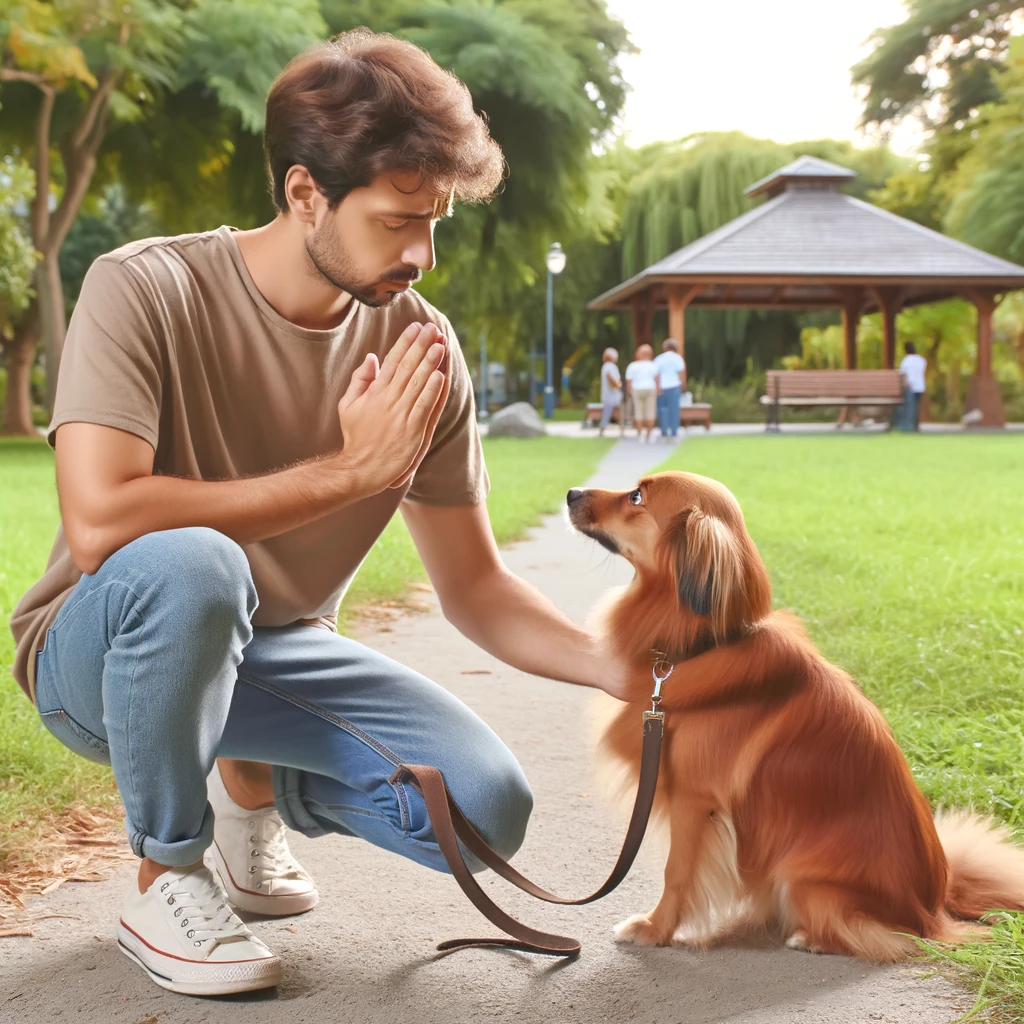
(365, 955)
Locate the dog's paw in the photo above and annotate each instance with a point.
(799, 941)
(639, 930)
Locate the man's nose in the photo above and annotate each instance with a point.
(574, 496)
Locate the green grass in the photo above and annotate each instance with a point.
(905, 557)
(39, 777)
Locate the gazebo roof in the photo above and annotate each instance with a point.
(808, 243)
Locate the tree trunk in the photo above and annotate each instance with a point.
(20, 354)
(52, 319)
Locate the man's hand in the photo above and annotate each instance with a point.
(389, 412)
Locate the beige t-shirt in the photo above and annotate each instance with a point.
(172, 341)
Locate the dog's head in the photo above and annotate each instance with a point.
(686, 532)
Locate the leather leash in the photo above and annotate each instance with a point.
(450, 825)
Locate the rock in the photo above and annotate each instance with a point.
(517, 420)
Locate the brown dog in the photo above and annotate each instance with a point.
(788, 802)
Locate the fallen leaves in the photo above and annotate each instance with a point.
(83, 845)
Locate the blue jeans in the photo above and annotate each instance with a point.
(668, 411)
(152, 665)
(910, 409)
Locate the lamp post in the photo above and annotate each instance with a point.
(556, 264)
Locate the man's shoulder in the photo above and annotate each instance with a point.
(162, 258)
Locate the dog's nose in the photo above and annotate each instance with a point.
(574, 495)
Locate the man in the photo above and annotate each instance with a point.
(238, 417)
(912, 369)
(611, 392)
(671, 379)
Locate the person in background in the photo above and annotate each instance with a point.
(671, 379)
(912, 368)
(611, 391)
(642, 386)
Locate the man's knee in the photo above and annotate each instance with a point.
(506, 810)
(199, 568)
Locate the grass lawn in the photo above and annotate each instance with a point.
(905, 557)
(39, 777)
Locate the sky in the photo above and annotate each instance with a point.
(777, 70)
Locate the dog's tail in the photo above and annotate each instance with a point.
(986, 871)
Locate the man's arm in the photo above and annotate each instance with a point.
(497, 610)
(109, 495)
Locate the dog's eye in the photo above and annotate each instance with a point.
(636, 498)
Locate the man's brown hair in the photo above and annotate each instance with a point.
(364, 104)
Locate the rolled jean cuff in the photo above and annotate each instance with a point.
(174, 855)
(288, 801)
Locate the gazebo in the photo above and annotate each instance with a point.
(811, 246)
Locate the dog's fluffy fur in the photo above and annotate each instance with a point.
(788, 803)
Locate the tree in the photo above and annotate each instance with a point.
(988, 185)
(938, 65)
(546, 76)
(72, 66)
(18, 259)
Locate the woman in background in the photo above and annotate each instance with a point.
(642, 385)
(611, 391)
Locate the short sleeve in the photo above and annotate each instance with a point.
(453, 470)
(111, 369)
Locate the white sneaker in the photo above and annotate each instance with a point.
(183, 934)
(250, 855)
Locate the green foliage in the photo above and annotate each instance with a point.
(18, 257)
(988, 210)
(938, 65)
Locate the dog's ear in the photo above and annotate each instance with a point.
(708, 564)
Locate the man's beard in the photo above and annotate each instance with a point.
(335, 266)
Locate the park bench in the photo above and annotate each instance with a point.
(697, 413)
(817, 388)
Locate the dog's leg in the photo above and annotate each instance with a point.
(690, 824)
(825, 919)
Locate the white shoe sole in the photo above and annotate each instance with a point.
(285, 905)
(198, 978)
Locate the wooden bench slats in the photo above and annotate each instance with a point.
(829, 388)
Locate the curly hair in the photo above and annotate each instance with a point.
(365, 104)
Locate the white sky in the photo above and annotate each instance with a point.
(773, 70)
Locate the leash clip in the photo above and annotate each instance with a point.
(661, 671)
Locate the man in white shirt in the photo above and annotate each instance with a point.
(671, 379)
(912, 369)
(642, 387)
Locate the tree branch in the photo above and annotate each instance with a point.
(15, 75)
(78, 171)
(41, 201)
(80, 136)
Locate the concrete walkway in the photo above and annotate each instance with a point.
(366, 954)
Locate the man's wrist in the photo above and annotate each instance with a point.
(349, 479)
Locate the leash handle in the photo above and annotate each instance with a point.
(450, 825)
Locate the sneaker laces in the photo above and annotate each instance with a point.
(270, 846)
(201, 910)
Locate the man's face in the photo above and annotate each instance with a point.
(377, 242)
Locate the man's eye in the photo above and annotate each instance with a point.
(394, 227)
(636, 498)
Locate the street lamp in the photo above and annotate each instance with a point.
(556, 264)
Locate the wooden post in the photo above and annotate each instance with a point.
(983, 392)
(853, 303)
(889, 302)
(678, 301)
(643, 315)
